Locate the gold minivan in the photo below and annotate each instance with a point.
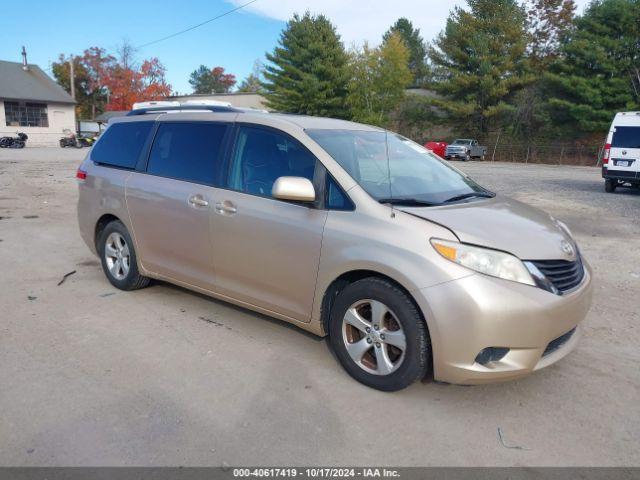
(410, 267)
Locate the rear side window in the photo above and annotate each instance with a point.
(626, 137)
(187, 151)
(121, 144)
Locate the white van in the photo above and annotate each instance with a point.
(621, 158)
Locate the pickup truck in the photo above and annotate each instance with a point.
(465, 149)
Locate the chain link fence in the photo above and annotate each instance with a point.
(550, 154)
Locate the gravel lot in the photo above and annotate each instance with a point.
(93, 376)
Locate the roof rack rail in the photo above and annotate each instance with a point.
(183, 107)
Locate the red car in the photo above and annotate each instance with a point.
(436, 147)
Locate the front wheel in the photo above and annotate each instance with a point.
(379, 336)
(118, 258)
(610, 185)
(467, 157)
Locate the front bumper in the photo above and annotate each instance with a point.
(456, 154)
(476, 312)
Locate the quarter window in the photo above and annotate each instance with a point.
(336, 198)
(262, 156)
(187, 151)
(25, 114)
(121, 144)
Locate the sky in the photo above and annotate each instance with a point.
(234, 41)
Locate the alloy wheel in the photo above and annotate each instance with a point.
(117, 256)
(373, 337)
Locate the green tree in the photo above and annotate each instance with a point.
(480, 63)
(417, 49)
(379, 77)
(215, 80)
(308, 69)
(599, 69)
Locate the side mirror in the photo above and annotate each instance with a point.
(298, 189)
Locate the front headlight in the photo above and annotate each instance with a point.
(484, 260)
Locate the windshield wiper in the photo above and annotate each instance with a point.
(408, 202)
(470, 195)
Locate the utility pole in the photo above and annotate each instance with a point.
(72, 78)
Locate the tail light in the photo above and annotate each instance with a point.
(606, 153)
(81, 175)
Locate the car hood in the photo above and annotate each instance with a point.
(503, 224)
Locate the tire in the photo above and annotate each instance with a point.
(610, 185)
(467, 157)
(120, 268)
(401, 321)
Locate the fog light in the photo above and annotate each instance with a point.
(491, 354)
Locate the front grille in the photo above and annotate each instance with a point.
(558, 342)
(563, 274)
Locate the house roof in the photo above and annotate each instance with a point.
(32, 84)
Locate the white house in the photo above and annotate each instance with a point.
(31, 102)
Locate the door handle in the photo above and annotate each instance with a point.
(198, 201)
(226, 207)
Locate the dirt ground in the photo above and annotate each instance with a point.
(93, 376)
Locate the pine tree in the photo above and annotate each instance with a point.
(480, 63)
(599, 71)
(308, 71)
(417, 49)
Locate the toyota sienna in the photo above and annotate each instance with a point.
(410, 267)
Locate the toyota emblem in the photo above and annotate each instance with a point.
(567, 248)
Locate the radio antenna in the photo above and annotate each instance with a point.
(386, 146)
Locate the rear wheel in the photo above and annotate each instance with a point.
(379, 335)
(118, 257)
(610, 185)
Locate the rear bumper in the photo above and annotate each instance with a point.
(624, 175)
(476, 312)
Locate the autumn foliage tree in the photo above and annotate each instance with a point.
(136, 84)
(549, 22)
(215, 80)
(90, 70)
(104, 82)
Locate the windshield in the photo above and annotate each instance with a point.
(461, 141)
(411, 172)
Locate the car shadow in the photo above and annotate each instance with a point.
(237, 308)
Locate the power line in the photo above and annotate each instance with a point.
(196, 26)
